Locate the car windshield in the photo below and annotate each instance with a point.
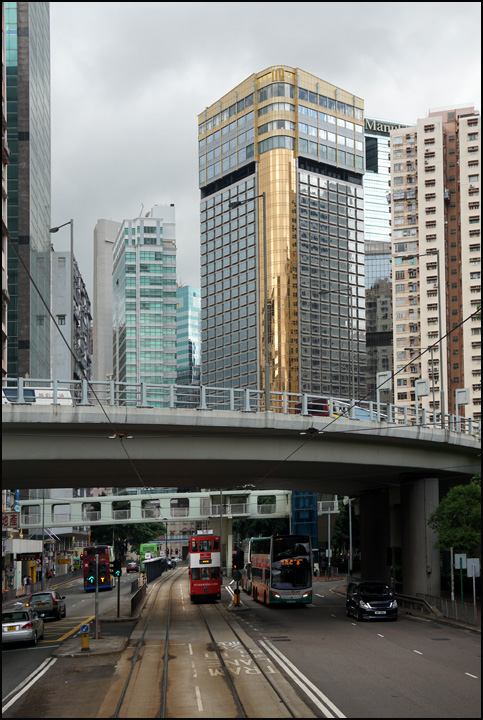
(14, 616)
(374, 590)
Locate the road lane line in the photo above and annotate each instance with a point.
(198, 698)
(325, 705)
(36, 676)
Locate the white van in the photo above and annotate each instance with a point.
(39, 396)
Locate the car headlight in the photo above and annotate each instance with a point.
(393, 605)
(364, 605)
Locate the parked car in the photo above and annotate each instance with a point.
(371, 601)
(132, 567)
(22, 626)
(48, 603)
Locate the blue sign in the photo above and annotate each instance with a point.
(84, 628)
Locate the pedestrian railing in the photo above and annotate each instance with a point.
(454, 609)
(110, 393)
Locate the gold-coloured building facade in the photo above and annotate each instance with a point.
(291, 141)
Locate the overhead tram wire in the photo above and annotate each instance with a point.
(121, 435)
(117, 432)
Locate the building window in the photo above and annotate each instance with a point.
(60, 319)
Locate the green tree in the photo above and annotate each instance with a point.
(134, 533)
(457, 519)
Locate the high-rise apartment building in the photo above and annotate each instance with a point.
(144, 299)
(188, 335)
(105, 234)
(436, 221)
(71, 309)
(281, 161)
(27, 34)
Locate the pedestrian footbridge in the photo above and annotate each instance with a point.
(159, 507)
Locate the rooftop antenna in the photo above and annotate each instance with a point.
(141, 211)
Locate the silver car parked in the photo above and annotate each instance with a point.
(22, 625)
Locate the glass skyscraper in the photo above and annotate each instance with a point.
(27, 34)
(299, 141)
(144, 299)
(377, 233)
(188, 335)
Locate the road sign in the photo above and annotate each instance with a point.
(84, 628)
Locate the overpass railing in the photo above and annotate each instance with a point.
(110, 394)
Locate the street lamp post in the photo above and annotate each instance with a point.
(72, 353)
(233, 205)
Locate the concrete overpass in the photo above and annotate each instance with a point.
(396, 465)
(58, 446)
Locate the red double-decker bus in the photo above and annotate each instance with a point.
(88, 559)
(205, 567)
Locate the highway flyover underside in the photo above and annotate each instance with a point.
(60, 446)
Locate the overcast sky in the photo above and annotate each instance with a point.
(129, 80)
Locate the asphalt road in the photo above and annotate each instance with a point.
(409, 669)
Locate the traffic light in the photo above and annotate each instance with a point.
(238, 560)
(91, 578)
(117, 568)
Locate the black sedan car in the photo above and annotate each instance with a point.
(371, 601)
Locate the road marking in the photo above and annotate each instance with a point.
(473, 676)
(190, 649)
(325, 705)
(317, 595)
(26, 685)
(379, 635)
(417, 652)
(198, 698)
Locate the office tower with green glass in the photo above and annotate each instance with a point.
(144, 299)
(188, 335)
(27, 35)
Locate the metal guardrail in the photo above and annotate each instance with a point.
(110, 393)
(456, 610)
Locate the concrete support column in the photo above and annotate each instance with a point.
(375, 535)
(420, 559)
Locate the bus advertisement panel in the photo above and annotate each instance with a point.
(280, 569)
(148, 551)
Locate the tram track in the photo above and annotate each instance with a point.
(254, 655)
(171, 580)
(192, 660)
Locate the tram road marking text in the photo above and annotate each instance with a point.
(28, 682)
(326, 706)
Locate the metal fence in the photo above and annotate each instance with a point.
(110, 393)
(453, 609)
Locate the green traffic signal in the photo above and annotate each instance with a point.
(117, 568)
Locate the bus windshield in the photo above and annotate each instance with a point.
(291, 562)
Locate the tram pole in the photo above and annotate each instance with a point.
(98, 633)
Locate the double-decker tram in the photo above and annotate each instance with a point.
(205, 567)
(88, 560)
(280, 569)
